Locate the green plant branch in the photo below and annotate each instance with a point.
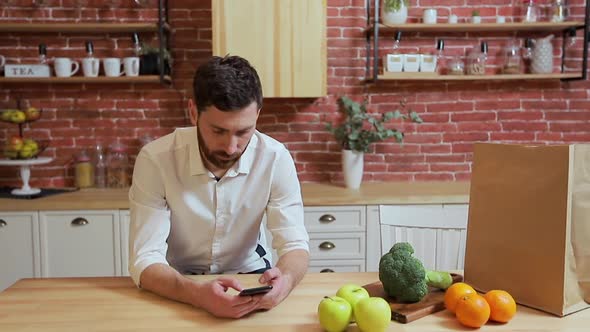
(360, 129)
(395, 5)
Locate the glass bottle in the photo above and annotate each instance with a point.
(559, 11)
(532, 12)
(476, 62)
(43, 54)
(117, 167)
(512, 60)
(527, 54)
(100, 167)
(136, 44)
(84, 171)
(440, 57)
(394, 60)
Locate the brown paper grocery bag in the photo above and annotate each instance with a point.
(529, 224)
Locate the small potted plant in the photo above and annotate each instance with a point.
(359, 130)
(475, 18)
(149, 63)
(394, 11)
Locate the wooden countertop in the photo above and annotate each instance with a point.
(314, 194)
(115, 304)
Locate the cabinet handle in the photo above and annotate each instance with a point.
(327, 245)
(3, 223)
(327, 218)
(327, 271)
(79, 222)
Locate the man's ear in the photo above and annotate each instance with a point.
(192, 112)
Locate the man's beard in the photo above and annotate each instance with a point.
(218, 159)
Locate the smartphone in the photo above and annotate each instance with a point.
(255, 290)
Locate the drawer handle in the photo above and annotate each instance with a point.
(79, 222)
(327, 218)
(327, 245)
(327, 271)
(3, 223)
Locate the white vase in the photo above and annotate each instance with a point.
(352, 167)
(394, 17)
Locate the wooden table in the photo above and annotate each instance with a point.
(115, 304)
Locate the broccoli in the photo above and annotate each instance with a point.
(404, 276)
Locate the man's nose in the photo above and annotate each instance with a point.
(231, 145)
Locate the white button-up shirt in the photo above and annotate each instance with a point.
(182, 216)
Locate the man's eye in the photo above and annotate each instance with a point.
(218, 132)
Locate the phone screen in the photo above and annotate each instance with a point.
(255, 290)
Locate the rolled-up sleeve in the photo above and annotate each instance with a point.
(285, 208)
(150, 218)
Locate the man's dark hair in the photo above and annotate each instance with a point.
(229, 83)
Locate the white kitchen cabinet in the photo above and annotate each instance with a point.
(124, 218)
(19, 247)
(80, 243)
(436, 231)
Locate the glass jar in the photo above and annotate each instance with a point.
(477, 59)
(558, 11)
(117, 166)
(84, 171)
(512, 60)
(456, 66)
(100, 166)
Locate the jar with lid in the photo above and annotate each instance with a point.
(117, 166)
(512, 59)
(84, 170)
(559, 11)
(477, 59)
(456, 66)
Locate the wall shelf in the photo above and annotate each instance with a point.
(94, 28)
(375, 29)
(81, 79)
(483, 27)
(389, 76)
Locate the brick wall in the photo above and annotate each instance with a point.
(456, 114)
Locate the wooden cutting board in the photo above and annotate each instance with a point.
(408, 312)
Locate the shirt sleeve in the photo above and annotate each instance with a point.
(150, 217)
(285, 208)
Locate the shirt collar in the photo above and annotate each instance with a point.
(243, 165)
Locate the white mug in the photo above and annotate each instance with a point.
(112, 67)
(131, 65)
(90, 67)
(63, 67)
(500, 19)
(2, 61)
(453, 19)
(429, 16)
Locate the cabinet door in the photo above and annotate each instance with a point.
(124, 223)
(284, 40)
(80, 243)
(437, 232)
(328, 266)
(19, 247)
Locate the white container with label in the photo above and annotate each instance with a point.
(412, 63)
(393, 63)
(428, 63)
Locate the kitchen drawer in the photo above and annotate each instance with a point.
(337, 245)
(19, 247)
(348, 265)
(80, 243)
(335, 219)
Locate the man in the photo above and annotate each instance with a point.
(199, 196)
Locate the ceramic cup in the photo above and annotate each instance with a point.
(131, 65)
(453, 19)
(112, 67)
(65, 67)
(500, 19)
(429, 16)
(90, 67)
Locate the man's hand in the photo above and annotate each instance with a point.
(281, 287)
(212, 296)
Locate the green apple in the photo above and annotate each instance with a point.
(373, 314)
(34, 145)
(32, 113)
(352, 293)
(18, 117)
(28, 151)
(334, 313)
(6, 115)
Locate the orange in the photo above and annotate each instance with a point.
(455, 292)
(502, 305)
(472, 310)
